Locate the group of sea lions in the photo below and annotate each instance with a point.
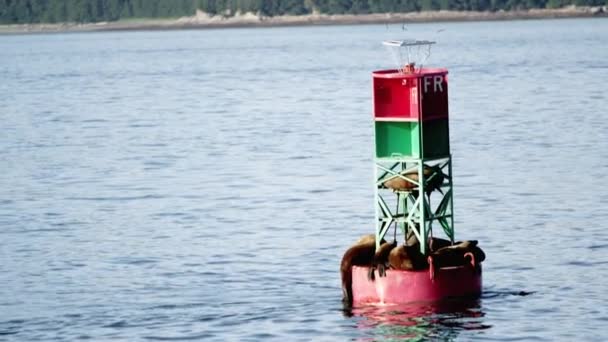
(403, 257)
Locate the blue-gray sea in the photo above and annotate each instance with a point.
(203, 184)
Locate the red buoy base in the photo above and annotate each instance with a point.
(399, 287)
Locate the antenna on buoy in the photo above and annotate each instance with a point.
(406, 53)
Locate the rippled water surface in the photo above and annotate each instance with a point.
(204, 184)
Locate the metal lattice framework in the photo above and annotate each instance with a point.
(413, 209)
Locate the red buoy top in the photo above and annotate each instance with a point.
(410, 94)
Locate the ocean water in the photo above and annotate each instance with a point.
(203, 184)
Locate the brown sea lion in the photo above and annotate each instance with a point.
(407, 258)
(437, 243)
(366, 238)
(453, 255)
(477, 253)
(360, 254)
(404, 257)
(474, 257)
(400, 184)
(380, 260)
(399, 258)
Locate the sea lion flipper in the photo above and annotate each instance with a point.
(382, 270)
(370, 274)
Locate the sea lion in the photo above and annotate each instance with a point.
(477, 253)
(407, 258)
(360, 254)
(438, 243)
(380, 260)
(400, 184)
(453, 255)
(366, 238)
(404, 257)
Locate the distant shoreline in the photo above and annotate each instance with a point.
(204, 21)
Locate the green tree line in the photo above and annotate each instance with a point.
(53, 11)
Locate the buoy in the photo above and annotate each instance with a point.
(412, 162)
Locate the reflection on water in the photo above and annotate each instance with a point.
(420, 321)
(441, 321)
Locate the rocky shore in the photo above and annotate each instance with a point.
(203, 20)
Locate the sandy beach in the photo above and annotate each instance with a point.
(203, 21)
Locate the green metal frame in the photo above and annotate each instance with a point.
(415, 213)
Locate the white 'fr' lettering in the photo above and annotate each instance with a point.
(437, 83)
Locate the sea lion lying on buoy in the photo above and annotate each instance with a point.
(360, 254)
(399, 184)
(404, 258)
(407, 258)
(381, 259)
(475, 256)
(478, 254)
(458, 254)
(437, 243)
(366, 238)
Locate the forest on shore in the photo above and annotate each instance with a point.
(91, 11)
